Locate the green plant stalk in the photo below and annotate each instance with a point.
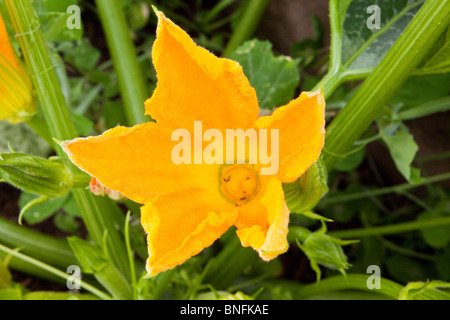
(38, 245)
(407, 52)
(47, 249)
(247, 25)
(57, 116)
(162, 283)
(388, 288)
(131, 81)
(54, 271)
(390, 229)
(393, 189)
(130, 255)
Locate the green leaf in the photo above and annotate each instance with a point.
(71, 207)
(93, 260)
(404, 269)
(365, 48)
(351, 161)
(82, 55)
(40, 211)
(419, 90)
(22, 139)
(83, 125)
(274, 78)
(430, 107)
(437, 237)
(403, 149)
(66, 223)
(53, 15)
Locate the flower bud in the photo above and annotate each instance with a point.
(322, 249)
(36, 175)
(138, 15)
(17, 102)
(303, 194)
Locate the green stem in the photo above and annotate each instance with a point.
(388, 288)
(130, 255)
(50, 250)
(162, 283)
(57, 116)
(247, 25)
(411, 47)
(336, 38)
(131, 81)
(394, 189)
(81, 180)
(54, 271)
(390, 229)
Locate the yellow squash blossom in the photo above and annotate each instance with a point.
(188, 206)
(17, 102)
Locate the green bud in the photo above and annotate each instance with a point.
(138, 15)
(303, 194)
(325, 250)
(46, 177)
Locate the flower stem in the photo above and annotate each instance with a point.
(253, 13)
(53, 251)
(387, 288)
(390, 229)
(393, 189)
(131, 81)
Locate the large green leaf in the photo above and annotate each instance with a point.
(365, 48)
(274, 78)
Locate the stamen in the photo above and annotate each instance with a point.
(239, 184)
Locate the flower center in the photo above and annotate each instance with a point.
(239, 183)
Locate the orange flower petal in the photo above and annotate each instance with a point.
(5, 47)
(301, 125)
(182, 224)
(263, 222)
(137, 162)
(193, 84)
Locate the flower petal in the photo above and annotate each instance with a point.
(137, 162)
(6, 48)
(263, 222)
(193, 84)
(301, 125)
(182, 224)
